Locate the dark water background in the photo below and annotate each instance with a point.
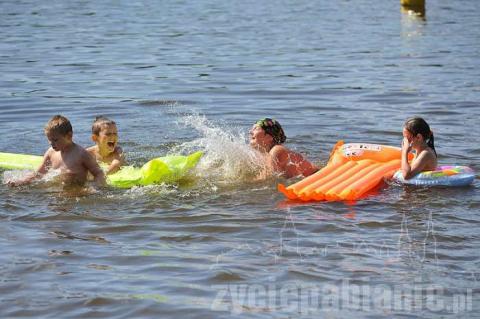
(185, 75)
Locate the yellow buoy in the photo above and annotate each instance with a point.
(413, 3)
(415, 6)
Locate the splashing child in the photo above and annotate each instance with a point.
(72, 160)
(106, 149)
(417, 136)
(267, 136)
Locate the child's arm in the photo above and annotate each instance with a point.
(92, 166)
(417, 165)
(41, 170)
(291, 164)
(117, 163)
(278, 160)
(305, 167)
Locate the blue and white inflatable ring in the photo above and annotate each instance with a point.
(442, 176)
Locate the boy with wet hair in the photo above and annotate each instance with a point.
(106, 150)
(72, 160)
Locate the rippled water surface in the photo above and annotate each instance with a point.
(179, 76)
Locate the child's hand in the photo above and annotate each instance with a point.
(114, 167)
(20, 182)
(406, 146)
(14, 183)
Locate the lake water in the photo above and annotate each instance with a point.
(179, 76)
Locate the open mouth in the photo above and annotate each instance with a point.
(111, 144)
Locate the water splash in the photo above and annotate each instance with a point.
(228, 159)
(15, 175)
(52, 182)
(52, 176)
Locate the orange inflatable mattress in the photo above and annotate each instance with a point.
(352, 170)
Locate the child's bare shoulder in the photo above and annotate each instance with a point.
(279, 149)
(92, 150)
(428, 159)
(49, 152)
(279, 152)
(426, 154)
(82, 152)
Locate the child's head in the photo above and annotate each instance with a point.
(105, 134)
(417, 130)
(267, 133)
(59, 132)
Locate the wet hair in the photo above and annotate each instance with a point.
(101, 121)
(417, 125)
(58, 124)
(273, 128)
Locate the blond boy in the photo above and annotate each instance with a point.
(72, 160)
(106, 149)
